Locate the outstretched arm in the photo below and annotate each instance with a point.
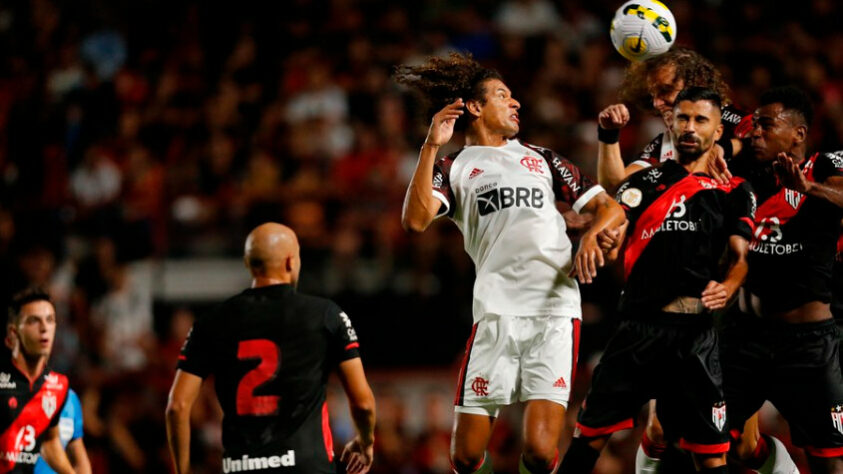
(358, 453)
(793, 178)
(608, 214)
(420, 206)
(183, 394)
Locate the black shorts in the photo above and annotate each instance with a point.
(794, 366)
(673, 358)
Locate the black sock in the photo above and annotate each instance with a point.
(580, 458)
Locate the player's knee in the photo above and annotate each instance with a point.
(465, 461)
(540, 454)
(540, 449)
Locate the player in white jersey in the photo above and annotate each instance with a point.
(501, 193)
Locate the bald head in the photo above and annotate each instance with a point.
(272, 254)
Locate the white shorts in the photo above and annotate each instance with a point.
(510, 359)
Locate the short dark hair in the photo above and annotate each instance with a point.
(696, 94)
(792, 99)
(23, 298)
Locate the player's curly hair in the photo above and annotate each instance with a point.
(440, 81)
(694, 69)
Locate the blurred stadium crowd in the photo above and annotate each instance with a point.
(140, 132)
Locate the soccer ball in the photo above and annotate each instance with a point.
(642, 29)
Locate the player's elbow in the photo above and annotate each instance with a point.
(413, 225)
(177, 409)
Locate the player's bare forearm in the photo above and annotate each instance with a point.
(361, 400)
(608, 214)
(53, 453)
(610, 168)
(178, 437)
(183, 394)
(831, 190)
(420, 206)
(79, 456)
(738, 266)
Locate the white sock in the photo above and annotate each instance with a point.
(778, 462)
(645, 464)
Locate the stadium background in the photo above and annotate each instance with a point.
(140, 141)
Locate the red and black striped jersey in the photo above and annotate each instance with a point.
(791, 256)
(28, 408)
(679, 226)
(271, 350)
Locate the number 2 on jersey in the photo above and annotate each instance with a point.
(269, 355)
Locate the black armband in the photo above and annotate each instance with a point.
(608, 137)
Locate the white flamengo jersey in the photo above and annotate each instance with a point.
(503, 201)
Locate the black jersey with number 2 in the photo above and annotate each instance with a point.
(271, 350)
(679, 225)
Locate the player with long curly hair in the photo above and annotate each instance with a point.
(501, 193)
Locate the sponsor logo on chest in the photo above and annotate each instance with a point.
(6, 382)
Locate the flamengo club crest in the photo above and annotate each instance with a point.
(532, 164)
(718, 415)
(48, 403)
(480, 386)
(837, 417)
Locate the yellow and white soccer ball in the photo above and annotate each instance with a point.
(642, 29)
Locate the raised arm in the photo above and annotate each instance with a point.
(420, 206)
(610, 168)
(183, 394)
(358, 453)
(53, 452)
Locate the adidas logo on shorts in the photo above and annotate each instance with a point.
(560, 383)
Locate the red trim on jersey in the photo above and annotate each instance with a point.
(589, 432)
(326, 432)
(823, 452)
(575, 356)
(749, 222)
(353, 345)
(182, 357)
(777, 205)
(743, 128)
(468, 345)
(704, 448)
(654, 216)
(32, 414)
